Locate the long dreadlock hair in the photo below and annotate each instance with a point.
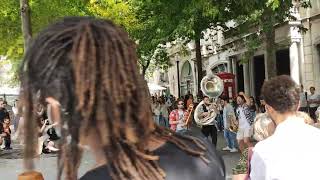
(90, 66)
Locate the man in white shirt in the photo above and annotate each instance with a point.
(292, 152)
(313, 100)
(303, 100)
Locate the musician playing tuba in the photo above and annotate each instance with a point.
(208, 111)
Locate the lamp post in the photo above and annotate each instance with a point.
(178, 75)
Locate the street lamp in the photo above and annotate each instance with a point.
(178, 75)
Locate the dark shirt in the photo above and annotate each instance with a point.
(3, 114)
(262, 109)
(178, 165)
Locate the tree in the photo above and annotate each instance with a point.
(262, 16)
(26, 22)
(176, 19)
(16, 31)
(20, 20)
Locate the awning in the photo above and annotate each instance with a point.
(155, 87)
(9, 90)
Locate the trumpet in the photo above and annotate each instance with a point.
(189, 110)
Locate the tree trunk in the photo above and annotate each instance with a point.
(199, 62)
(271, 54)
(269, 32)
(144, 70)
(26, 23)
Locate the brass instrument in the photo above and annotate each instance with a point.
(211, 86)
(234, 124)
(187, 120)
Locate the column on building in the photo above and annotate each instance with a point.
(295, 48)
(234, 71)
(246, 78)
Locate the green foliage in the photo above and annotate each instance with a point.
(260, 16)
(163, 21)
(252, 43)
(120, 12)
(44, 12)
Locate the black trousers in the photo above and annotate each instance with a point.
(312, 111)
(303, 109)
(212, 131)
(7, 141)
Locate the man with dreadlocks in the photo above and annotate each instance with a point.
(87, 67)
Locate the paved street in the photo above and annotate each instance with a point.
(11, 163)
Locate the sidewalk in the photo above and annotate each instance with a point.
(11, 163)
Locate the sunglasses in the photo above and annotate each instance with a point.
(181, 104)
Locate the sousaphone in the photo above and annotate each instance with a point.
(211, 86)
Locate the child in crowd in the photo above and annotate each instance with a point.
(5, 132)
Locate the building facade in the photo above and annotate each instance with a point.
(297, 55)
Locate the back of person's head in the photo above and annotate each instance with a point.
(90, 67)
(205, 97)
(263, 126)
(281, 93)
(225, 98)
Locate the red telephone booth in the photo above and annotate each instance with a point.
(229, 84)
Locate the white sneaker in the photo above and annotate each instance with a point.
(226, 149)
(233, 150)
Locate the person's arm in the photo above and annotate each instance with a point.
(318, 100)
(172, 119)
(245, 97)
(201, 113)
(43, 126)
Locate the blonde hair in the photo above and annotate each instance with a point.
(262, 127)
(305, 116)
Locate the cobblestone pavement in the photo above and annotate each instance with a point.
(11, 162)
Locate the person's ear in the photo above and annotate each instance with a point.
(269, 109)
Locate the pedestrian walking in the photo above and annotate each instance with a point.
(313, 101)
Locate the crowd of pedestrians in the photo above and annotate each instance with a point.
(11, 128)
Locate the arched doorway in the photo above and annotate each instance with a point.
(187, 83)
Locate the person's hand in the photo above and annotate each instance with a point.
(7, 131)
(46, 122)
(52, 101)
(205, 114)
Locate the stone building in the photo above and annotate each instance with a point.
(298, 56)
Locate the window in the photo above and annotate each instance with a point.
(220, 68)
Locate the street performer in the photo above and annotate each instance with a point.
(204, 112)
(87, 68)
